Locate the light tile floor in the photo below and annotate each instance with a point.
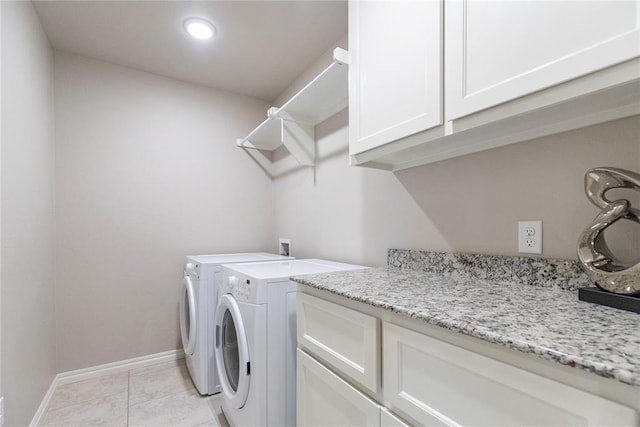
(157, 395)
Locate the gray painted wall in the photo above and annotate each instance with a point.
(147, 172)
(27, 188)
(466, 204)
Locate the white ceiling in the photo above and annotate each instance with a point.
(260, 48)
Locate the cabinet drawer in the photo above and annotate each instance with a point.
(344, 339)
(431, 380)
(324, 399)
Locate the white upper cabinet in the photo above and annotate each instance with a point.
(395, 75)
(497, 51)
(513, 71)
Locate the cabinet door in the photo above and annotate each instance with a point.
(395, 70)
(344, 339)
(387, 419)
(501, 50)
(324, 399)
(437, 383)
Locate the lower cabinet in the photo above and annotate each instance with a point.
(387, 419)
(324, 399)
(345, 339)
(424, 380)
(437, 383)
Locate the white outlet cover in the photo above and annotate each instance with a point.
(530, 242)
(284, 247)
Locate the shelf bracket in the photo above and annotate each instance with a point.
(298, 138)
(293, 124)
(240, 142)
(272, 112)
(341, 56)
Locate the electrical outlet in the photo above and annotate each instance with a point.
(530, 237)
(284, 247)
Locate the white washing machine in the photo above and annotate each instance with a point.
(255, 342)
(198, 300)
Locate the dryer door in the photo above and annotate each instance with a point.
(188, 316)
(232, 352)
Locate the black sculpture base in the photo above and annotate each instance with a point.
(598, 296)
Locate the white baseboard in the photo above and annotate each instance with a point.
(45, 402)
(96, 371)
(120, 366)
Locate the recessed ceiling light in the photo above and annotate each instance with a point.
(199, 28)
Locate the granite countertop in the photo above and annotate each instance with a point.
(547, 321)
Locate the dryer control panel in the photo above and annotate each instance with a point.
(192, 269)
(239, 287)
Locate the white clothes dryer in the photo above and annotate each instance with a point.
(255, 340)
(198, 300)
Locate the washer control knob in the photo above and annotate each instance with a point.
(188, 268)
(233, 280)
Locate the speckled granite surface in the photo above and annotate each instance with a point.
(545, 272)
(546, 321)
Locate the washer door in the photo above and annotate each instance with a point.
(232, 352)
(188, 316)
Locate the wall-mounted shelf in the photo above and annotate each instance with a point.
(292, 125)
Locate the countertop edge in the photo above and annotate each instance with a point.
(599, 369)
